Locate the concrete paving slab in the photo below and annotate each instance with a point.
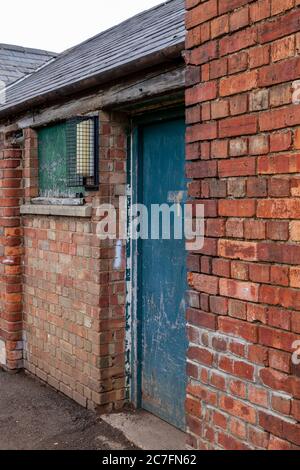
(146, 431)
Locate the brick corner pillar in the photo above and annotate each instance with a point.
(11, 349)
(111, 349)
(243, 162)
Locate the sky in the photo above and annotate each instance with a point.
(56, 25)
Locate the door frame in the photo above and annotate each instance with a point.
(133, 323)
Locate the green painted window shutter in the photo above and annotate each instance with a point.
(53, 163)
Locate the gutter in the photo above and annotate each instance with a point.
(168, 54)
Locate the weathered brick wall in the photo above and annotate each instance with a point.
(73, 291)
(61, 305)
(10, 252)
(113, 165)
(244, 164)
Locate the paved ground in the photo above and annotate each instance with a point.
(33, 416)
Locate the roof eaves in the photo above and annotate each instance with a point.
(170, 53)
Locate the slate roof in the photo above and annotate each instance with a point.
(16, 62)
(110, 54)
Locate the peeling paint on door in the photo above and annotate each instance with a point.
(162, 277)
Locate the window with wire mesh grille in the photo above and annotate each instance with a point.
(68, 158)
(82, 152)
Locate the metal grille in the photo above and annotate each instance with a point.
(82, 152)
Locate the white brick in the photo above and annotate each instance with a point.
(2, 353)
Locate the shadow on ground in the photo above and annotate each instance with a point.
(33, 416)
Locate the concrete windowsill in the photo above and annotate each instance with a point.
(64, 211)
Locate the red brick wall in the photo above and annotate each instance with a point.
(242, 148)
(74, 296)
(10, 252)
(73, 302)
(61, 305)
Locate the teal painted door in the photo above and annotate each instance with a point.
(162, 282)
